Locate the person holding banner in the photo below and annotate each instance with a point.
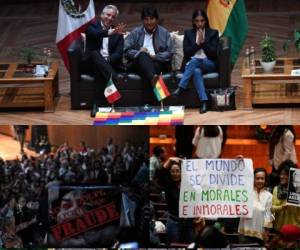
(284, 212)
(200, 47)
(179, 230)
(281, 148)
(255, 229)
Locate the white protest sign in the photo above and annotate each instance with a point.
(213, 188)
(294, 187)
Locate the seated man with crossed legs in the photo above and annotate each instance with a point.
(104, 49)
(149, 47)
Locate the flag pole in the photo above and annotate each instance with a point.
(161, 105)
(161, 102)
(113, 108)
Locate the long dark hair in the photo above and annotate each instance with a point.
(277, 134)
(260, 169)
(285, 166)
(211, 130)
(202, 13)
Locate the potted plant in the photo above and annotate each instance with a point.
(295, 40)
(27, 54)
(268, 60)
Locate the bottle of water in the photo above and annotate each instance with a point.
(247, 59)
(252, 60)
(252, 54)
(163, 196)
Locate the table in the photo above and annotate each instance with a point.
(272, 88)
(19, 88)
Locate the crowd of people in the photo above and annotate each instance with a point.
(24, 186)
(274, 221)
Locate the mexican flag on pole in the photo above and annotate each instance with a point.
(111, 93)
(73, 18)
(230, 19)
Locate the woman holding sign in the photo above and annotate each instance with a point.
(255, 229)
(284, 213)
(179, 230)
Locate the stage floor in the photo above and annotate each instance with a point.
(10, 148)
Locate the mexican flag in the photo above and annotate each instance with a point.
(73, 18)
(111, 93)
(160, 89)
(230, 19)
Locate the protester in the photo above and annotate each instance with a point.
(284, 213)
(178, 230)
(208, 141)
(255, 229)
(27, 180)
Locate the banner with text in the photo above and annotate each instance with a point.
(212, 188)
(294, 187)
(81, 216)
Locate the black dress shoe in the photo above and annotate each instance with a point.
(203, 108)
(94, 110)
(179, 91)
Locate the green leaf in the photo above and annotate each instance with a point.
(286, 45)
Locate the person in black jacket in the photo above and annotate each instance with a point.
(104, 49)
(20, 132)
(200, 47)
(179, 230)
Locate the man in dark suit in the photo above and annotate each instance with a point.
(104, 49)
(200, 47)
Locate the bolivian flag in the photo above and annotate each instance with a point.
(230, 19)
(160, 89)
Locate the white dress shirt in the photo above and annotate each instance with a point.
(104, 51)
(148, 43)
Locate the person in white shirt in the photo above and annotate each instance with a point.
(208, 141)
(255, 229)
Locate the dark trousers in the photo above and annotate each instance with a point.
(102, 71)
(145, 66)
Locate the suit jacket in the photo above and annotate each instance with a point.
(210, 45)
(94, 38)
(162, 44)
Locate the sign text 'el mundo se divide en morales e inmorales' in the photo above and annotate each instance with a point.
(213, 188)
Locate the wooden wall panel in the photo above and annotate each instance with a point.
(95, 137)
